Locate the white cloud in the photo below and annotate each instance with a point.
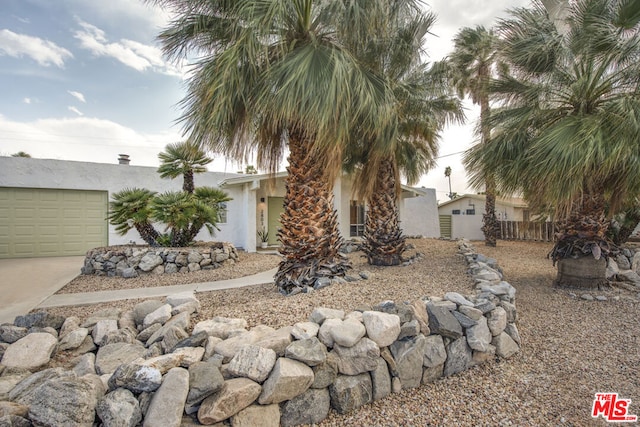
(133, 54)
(77, 95)
(75, 110)
(27, 100)
(44, 52)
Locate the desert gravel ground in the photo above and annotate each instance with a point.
(571, 350)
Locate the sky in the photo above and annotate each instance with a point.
(85, 80)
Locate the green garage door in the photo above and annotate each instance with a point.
(37, 222)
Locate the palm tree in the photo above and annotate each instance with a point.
(568, 135)
(21, 154)
(447, 174)
(272, 75)
(131, 208)
(183, 158)
(473, 60)
(419, 108)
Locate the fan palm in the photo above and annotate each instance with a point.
(568, 134)
(183, 158)
(272, 75)
(131, 208)
(473, 61)
(419, 108)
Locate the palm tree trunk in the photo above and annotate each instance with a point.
(580, 263)
(490, 226)
(309, 234)
(148, 233)
(384, 243)
(188, 185)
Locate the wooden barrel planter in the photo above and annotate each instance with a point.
(584, 272)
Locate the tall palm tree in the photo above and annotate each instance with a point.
(131, 208)
(568, 135)
(274, 75)
(473, 61)
(183, 158)
(447, 174)
(419, 108)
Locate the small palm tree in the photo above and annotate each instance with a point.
(131, 208)
(568, 135)
(21, 154)
(183, 158)
(473, 60)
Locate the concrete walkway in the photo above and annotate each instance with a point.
(105, 296)
(26, 282)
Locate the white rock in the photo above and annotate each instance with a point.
(160, 315)
(382, 328)
(30, 352)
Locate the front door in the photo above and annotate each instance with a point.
(275, 206)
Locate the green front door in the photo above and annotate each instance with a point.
(36, 222)
(276, 207)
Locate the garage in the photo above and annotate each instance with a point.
(36, 222)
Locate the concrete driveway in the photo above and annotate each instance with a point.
(26, 282)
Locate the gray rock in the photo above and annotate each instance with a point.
(409, 329)
(601, 298)
(512, 331)
(107, 313)
(510, 309)
(381, 328)
(63, 401)
(160, 315)
(479, 336)
(204, 380)
(40, 319)
(419, 313)
(73, 339)
(470, 312)
(145, 334)
(321, 283)
(220, 327)
(310, 407)
(484, 306)
(434, 351)
(277, 340)
(194, 266)
(171, 337)
(86, 364)
(196, 340)
(28, 385)
(11, 334)
(187, 307)
(362, 357)
(136, 378)
(503, 288)
(308, 351)
(629, 276)
(612, 268)
(623, 262)
(480, 357)
(409, 356)
(30, 352)
(141, 310)
(326, 372)
(9, 381)
(235, 395)
(289, 378)
(305, 330)
(320, 314)
(457, 299)
(350, 392)
(170, 268)
(111, 356)
(71, 323)
(167, 404)
(102, 328)
(505, 346)
(365, 275)
(149, 262)
(324, 333)
(257, 415)
(442, 322)
(181, 298)
(253, 362)
(229, 347)
(381, 380)
(129, 273)
(432, 373)
(458, 357)
(465, 322)
(194, 257)
(497, 321)
(347, 333)
(119, 408)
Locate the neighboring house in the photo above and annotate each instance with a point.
(59, 208)
(462, 216)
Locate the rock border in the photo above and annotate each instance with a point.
(141, 366)
(132, 261)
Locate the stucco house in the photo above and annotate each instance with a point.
(462, 216)
(59, 208)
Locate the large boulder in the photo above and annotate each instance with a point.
(235, 395)
(30, 352)
(350, 392)
(288, 379)
(362, 357)
(409, 357)
(257, 415)
(110, 356)
(382, 328)
(253, 362)
(167, 404)
(442, 322)
(310, 407)
(119, 408)
(308, 351)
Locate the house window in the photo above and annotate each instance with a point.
(356, 219)
(471, 211)
(455, 212)
(525, 215)
(222, 213)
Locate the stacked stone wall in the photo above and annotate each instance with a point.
(142, 366)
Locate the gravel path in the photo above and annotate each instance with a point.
(571, 348)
